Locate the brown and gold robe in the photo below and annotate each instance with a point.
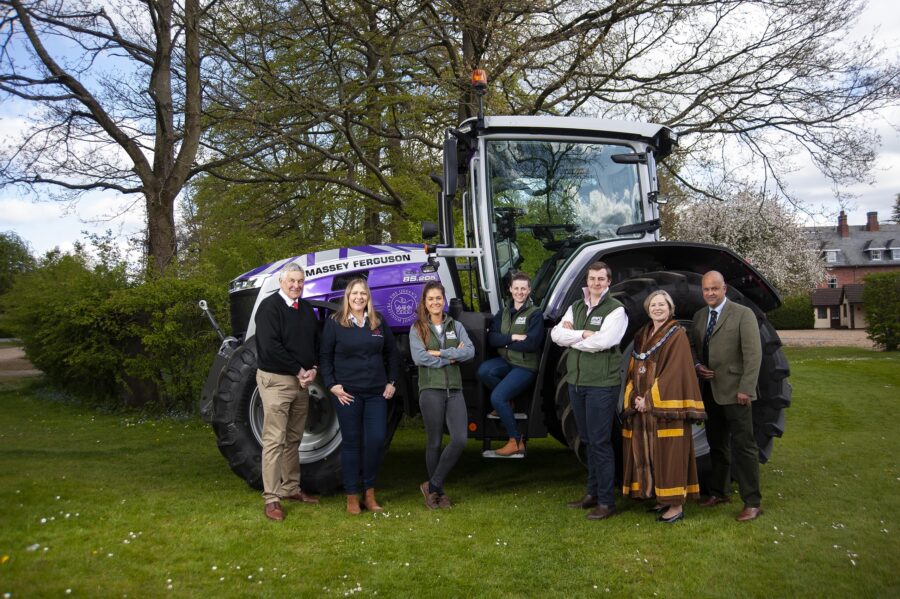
(658, 445)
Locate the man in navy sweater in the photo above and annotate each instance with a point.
(287, 343)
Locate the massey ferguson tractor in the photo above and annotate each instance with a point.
(547, 195)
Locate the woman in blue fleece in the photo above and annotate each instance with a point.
(359, 366)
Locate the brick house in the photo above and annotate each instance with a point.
(850, 253)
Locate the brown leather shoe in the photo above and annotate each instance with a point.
(511, 448)
(300, 495)
(601, 512)
(714, 500)
(749, 513)
(273, 511)
(444, 502)
(370, 503)
(353, 505)
(585, 503)
(431, 499)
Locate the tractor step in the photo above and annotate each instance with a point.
(490, 453)
(518, 415)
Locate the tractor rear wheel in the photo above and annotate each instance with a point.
(773, 388)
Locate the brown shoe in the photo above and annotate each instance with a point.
(444, 502)
(749, 513)
(273, 511)
(300, 495)
(431, 499)
(602, 512)
(585, 503)
(511, 448)
(370, 503)
(353, 505)
(714, 500)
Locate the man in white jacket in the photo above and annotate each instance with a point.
(592, 329)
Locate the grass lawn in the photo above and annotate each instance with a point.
(114, 505)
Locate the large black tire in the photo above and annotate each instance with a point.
(773, 388)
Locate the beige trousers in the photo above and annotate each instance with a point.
(285, 406)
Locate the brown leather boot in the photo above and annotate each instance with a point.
(370, 502)
(511, 448)
(353, 505)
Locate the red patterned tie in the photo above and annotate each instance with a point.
(295, 305)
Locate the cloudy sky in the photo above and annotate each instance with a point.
(47, 224)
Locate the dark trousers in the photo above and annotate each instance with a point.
(594, 409)
(729, 431)
(363, 431)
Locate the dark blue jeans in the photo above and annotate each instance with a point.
(363, 430)
(506, 382)
(595, 411)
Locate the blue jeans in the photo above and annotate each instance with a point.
(594, 409)
(363, 431)
(506, 382)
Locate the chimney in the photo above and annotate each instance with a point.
(843, 229)
(871, 221)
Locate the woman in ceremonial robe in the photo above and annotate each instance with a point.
(661, 401)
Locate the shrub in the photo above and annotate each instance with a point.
(795, 313)
(881, 297)
(93, 332)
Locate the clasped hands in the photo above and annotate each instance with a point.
(306, 377)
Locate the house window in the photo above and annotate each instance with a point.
(874, 254)
(823, 313)
(832, 282)
(895, 254)
(845, 310)
(830, 255)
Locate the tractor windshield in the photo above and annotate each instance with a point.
(549, 197)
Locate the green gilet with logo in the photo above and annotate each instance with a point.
(516, 323)
(598, 369)
(446, 377)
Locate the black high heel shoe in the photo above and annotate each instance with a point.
(675, 518)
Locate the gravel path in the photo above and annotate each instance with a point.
(826, 338)
(14, 364)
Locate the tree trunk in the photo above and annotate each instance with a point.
(161, 243)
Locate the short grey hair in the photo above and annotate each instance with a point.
(665, 295)
(290, 267)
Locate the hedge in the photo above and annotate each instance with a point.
(96, 334)
(795, 313)
(881, 298)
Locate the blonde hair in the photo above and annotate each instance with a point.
(665, 295)
(343, 315)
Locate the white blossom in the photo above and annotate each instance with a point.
(760, 229)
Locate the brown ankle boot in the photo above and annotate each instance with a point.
(511, 448)
(353, 505)
(370, 502)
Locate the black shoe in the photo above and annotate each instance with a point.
(657, 509)
(675, 518)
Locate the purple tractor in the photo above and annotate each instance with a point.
(548, 195)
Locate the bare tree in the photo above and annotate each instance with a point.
(357, 92)
(120, 97)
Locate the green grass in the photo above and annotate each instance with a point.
(113, 505)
